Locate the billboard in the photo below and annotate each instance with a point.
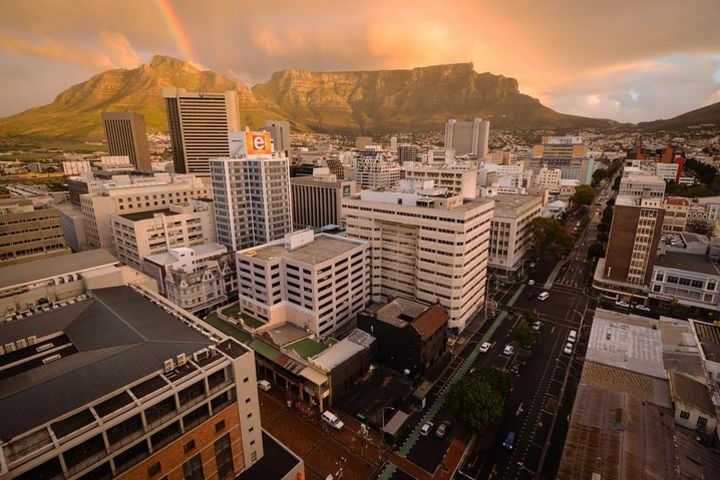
(346, 190)
(258, 143)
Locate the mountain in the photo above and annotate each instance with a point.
(708, 114)
(362, 101)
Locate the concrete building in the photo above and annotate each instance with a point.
(188, 259)
(28, 232)
(362, 142)
(456, 179)
(251, 189)
(676, 214)
(199, 124)
(636, 185)
(146, 390)
(200, 288)
(695, 412)
(73, 225)
(126, 135)
(376, 172)
(280, 132)
(560, 147)
(77, 167)
(426, 245)
(122, 199)
(319, 283)
(411, 337)
(407, 152)
(569, 154)
(689, 279)
(468, 138)
(137, 235)
(510, 234)
(548, 178)
(317, 202)
(634, 237)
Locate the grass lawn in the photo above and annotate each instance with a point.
(228, 329)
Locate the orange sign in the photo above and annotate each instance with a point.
(258, 143)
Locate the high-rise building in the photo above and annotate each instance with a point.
(362, 142)
(146, 390)
(317, 202)
(407, 153)
(468, 138)
(426, 245)
(376, 172)
(199, 124)
(319, 283)
(28, 232)
(126, 136)
(251, 189)
(560, 147)
(280, 133)
(638, 185)
(510, 235)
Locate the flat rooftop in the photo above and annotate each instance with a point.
(509, 204)
(709, 337)
(356, 342)
(321, 249)
(400, 311)
(114, 338)
(688, 262)
(137, 216)
(166, 258)
(276, 462)
(49, 267)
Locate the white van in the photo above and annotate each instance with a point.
(264, 385)
(332, 420)
(572, 336)
(543, 296)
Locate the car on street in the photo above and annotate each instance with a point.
(572, 336)
(623, 304)
(485, 347)
(508, 350)
(332, 420)
(568, 348)
(642, 308)
(509, 442)
(536, 326)
(515, 369)
(264, 385)
(426, 429)
(543, 296)
(531, 282)
(443, 429)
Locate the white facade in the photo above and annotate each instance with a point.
(468, 138)
(692, 280)
(376, 172)
(319, 283)
(76, 168)
(459, 180)
(636, 185)
(510, 235)
(428, 246)
(548, 178)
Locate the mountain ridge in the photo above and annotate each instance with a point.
(373, 101)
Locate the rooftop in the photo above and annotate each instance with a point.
(335, 355)
(509, 204)
(399, 311)
(644, 387)
(690, 391)
(49, 267)
(276, 462)
(167, 258)
(323, 248)
(709, 337)
(138, 216)
(115, 338)
(688, 262)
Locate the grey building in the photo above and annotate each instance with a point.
(317, 203)
(126, 136)
(28, 232)
(688, 279)
(468, 138)
(280, 133)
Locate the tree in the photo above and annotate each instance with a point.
(599, 175)
(531, 315)
(524, 334)
(550, 238)
(603, 227)
(607, 215)
(584, 195)
(610, 202)
(700, 226)
(602, 237)
(478, 399)
(595, 250)
(616, 184)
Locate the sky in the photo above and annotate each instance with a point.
(630, 60)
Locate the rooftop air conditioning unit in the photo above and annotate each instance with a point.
(22, 343)
(32, 339)
(44, 346)
(2, 350)
(10, 347)
(200, 354)
(169, 365)
(212, 350)
(181, 359)
(51, 358)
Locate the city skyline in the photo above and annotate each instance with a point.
(607, 61)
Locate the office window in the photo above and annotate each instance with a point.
(193, 469)
(220, 425)
(223, 457)
(702, 423)
(189, 446)
(684, 414)
(154, 469)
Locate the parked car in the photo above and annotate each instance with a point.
(536, 326)
(642, 308)
(572, 336)
(264, 385)
(508, 350)
(332, 420)
(623, 304)
(543, 296)
(568, 348)
(515, 369)
(443, 429)
(426, 429)
(531, 282)
(485, 347)
(509, 442)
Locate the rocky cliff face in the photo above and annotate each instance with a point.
(369, 101)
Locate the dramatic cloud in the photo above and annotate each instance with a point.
(605, 58)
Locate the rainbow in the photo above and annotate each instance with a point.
(176, 28)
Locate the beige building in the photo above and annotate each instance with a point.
(676, 214)
(510, 235)
(28, 232)
(548, 178)
(137, 235)
(317, 282)
(468, 138)
(317, 202)
(188, 259)
(199, 124)
(457, 179)
(560, 147)
(126, 135)
(639, 185)
(426, 245)
(122, 199)
(376, 172)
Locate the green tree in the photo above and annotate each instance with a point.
(595, 250)
(616, 184)
(603, 227)
(599, 175)
(531, 315)
(584, 195)
(699, 226)
(524, 334)
(610, 202)
(478, 399)
(607, 215)
(550, 238)
(602, 237)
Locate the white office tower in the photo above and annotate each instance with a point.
(199, 124)
(425, 244)
(252, 198)
(468, 138)
(376, 172)
(280, 132)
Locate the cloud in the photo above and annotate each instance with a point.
(117, 47)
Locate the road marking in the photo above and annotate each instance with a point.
(519, 409)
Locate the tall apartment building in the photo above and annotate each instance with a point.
(510, 234)
(569, 154)
(638, 185)
(468, 138)
(407, 153)
(280, 132)
(199, 124)
(425, 244)
(125, 385)
(456, 179)
(560, 147)
(251, 189)
(119, 199)
(28, 232)
(126, 136)
(137, 235)
(317, 282)
(317, 202)
(376, 172)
